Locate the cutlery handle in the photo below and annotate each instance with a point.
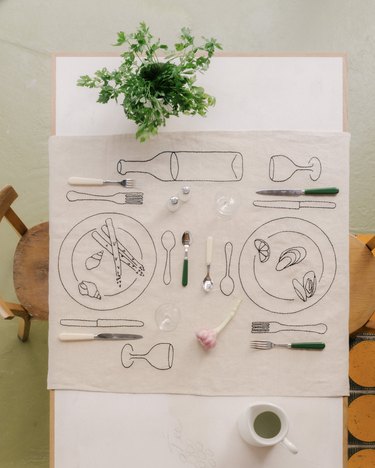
(209, 248)
(84, 181)
(317, 204)
(73, 196)
(320, 328)
(167, 277)
(322, 191)
(76, 336)
(185, 271)
(312, 345)
(119, 323)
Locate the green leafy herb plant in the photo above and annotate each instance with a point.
(151, 88)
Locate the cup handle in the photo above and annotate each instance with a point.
(288, 444)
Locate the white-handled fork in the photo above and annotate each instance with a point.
(128, 183)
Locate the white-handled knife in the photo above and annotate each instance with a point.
(294, 205)
(100, 336)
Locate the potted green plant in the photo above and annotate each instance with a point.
(153, 88)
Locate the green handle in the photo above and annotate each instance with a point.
(322, 191)
(185, 272)
(314, 345)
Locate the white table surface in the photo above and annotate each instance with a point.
(116, 430)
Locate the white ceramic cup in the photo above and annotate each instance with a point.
(265, 425)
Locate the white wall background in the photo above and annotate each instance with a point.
(32, 30)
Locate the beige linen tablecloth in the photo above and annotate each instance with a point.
(109, 268)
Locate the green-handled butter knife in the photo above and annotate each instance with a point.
(100, 336)
(296, 193)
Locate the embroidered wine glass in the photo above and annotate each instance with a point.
(160, 356)
(282, 168)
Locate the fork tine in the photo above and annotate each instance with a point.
(128, 183)
(261, 344)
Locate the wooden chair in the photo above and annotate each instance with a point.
(30, 268)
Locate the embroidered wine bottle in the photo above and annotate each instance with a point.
(188, 166)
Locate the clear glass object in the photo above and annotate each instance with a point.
(173, 203)
(225, 204)
(185, 193)
(167, 317)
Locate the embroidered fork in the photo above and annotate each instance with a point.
(275, 327)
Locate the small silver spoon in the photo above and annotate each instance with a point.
(207, 281)
(186, 241)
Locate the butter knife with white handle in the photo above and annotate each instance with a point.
(100, 336)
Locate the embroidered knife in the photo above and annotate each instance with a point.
(101, 323)
(294, 204)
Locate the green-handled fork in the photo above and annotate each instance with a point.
(269, 345)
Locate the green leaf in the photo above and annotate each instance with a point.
(121, 38)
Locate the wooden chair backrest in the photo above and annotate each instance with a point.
(7, 197)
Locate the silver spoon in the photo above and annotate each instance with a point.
(207, 281)
(186, 241)
(227, 283)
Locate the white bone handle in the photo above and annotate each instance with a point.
(84, 181)
(209, 249)
(76, 336)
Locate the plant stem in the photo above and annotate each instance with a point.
(223, 324)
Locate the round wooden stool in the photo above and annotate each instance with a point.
(362, 282)
(30, 271)
(361, 417)
(361, 363)
(362, 459)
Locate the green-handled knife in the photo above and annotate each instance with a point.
(296, 193)
(100, 336)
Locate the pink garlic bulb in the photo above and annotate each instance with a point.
(208, 337)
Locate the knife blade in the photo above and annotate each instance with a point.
(101, 323)
(294, 205)
(296, 193)
(100, 336)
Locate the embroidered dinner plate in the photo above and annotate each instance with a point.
(106, 261)
(287, 265)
